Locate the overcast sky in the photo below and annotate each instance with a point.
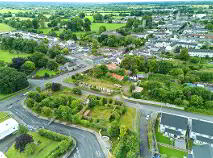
(92, 0)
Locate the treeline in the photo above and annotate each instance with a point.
(117, 41)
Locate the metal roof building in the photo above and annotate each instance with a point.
(8, 127)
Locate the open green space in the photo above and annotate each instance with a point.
(20, 18)
(171, 153)
(109, 26)
(45, 147)
(5, 28)
(4, 116)
(42, 72)
(6, 56)
(128, 119)
(11, 10)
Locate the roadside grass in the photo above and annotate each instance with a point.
(4, 116)
(90, 18)
(45, 147)
(6, 56)
(5, 28)
(129, 119)
(42, 72)
(171, 153)
(109, 26)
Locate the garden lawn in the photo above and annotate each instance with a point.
(42, 150)
(109, 26)
(41, 73)
(6, 56)
(5, 28)
(4, 116)
(171, 153)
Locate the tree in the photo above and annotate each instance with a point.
(28, 67)
(81, 15)
(11, 80)
(102, 29)
(114, 130)
(52, 65)
(184, 55)
(22, 141)
(47, 111)
(196, 101)
(61, 59)
(35, 23)
(56, 86)
(17, 63)
(23, 129)
(87, 24)
(100, 71)
(98, 17)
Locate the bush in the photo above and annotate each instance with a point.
(51, 135)
(76, 91)
(30, 148)
(56, 86)
(136, 95)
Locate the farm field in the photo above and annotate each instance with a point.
(109, 26)
(42, 150)
(12, 10)
(6, 56)
(5, 28)
(20, 18)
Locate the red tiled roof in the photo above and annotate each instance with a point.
(118, 77)
(112, 66)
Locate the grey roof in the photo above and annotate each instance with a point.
(204, 139)
(174, 121)
(201, 50)
(190, 156)
(202, 151)
(202, 127)
(177, 133)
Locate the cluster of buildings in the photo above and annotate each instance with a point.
(181, 127)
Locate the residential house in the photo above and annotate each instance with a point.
(112, 66)
(202, 132)
(8, 127)
(200, 52)
(201, 151)
(118, 77)
(173, 125)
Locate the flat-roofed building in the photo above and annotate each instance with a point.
(8, 127)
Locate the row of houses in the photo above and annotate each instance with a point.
(201, 131)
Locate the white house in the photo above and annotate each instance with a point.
(2, 155)
(200, 52)
(202, 132)
(8, 127)
(173, 125)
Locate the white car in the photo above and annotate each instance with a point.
(147, 117)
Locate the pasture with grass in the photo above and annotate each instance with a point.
(5, 28)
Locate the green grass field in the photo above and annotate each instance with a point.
(112, 26)
(42, 150)
(171, 153)
(12, 10)
(6, 56)
(42, 72)
(4, 116)
(20, 18)
(128, 119)
(5, 28)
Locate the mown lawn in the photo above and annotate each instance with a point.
(41, 73)
(109, 26)
(42, 150)
(171, 153)
(6, 56)
(4, 116)
(5, 28)
(12, 10)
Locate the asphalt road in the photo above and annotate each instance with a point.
(87, 143)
